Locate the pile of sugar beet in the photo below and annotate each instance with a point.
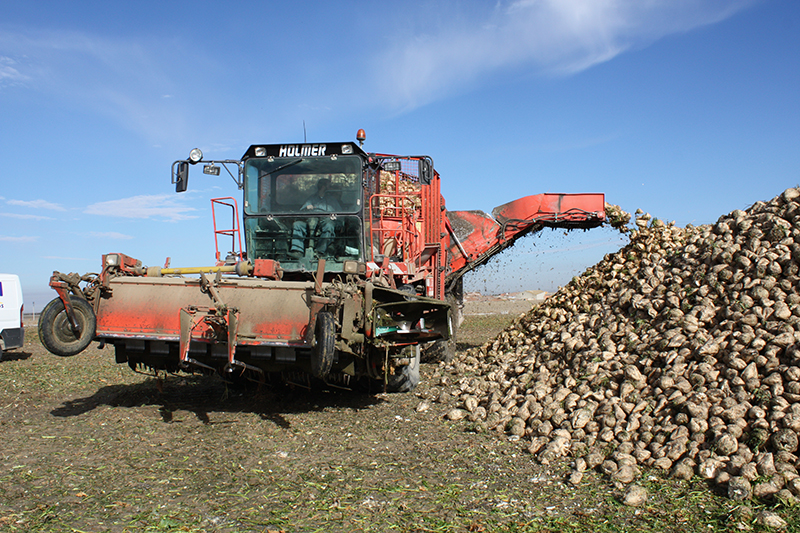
(680, 352)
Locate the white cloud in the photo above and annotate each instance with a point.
(25, 217)
(36, 204)
(451, 46)
(127, 77)
(6, 238)
(64, 258)
(546, 37)
(162, 206)
(109, 235)
(9, 75)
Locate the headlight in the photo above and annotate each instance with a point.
(195, 156)
(355, 267)
(112, 260)
(261, 151)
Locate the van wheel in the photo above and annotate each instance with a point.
(56, 333)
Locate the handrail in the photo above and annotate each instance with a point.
(233, 233)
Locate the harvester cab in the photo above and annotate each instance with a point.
(303, 203)
(332, 201)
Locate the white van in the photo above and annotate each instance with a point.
(11, 328)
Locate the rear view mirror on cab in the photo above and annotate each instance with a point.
(425, 172)
(182, 177)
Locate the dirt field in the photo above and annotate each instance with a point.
(90, 446)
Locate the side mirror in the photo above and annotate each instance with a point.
(425, 171)
(182, 177)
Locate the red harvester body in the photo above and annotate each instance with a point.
(352, 272)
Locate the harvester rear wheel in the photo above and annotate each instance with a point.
(445, 350)
(56, 333)
(405, 378)
(441, 350)
(324, 345)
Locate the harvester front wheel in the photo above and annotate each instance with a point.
(324, 345)
(56, 332)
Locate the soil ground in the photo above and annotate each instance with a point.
(90, 446)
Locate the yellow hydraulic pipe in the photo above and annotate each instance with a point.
(197, 270)
(243, 269)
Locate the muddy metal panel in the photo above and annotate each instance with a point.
(271, 312)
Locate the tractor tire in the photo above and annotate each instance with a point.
(445, 350)
(56, 333)
(405, 378)
(441, 350)
(324, 347)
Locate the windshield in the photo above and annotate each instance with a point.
(283, 186)
(299, 242)
(299, 210)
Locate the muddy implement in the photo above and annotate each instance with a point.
(350, 272)
(246, 326)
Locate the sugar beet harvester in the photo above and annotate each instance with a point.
(352, 273)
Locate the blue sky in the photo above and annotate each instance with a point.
(687, 109)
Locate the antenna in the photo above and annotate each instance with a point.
(305, 139)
